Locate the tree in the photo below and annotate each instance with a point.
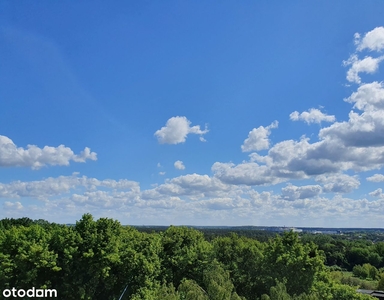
(358, 256)
(344, 292)
(380, 284)
(26, 259)
(288, 260)
(218, 284)
(242, 257)
(185, 255)
(109, 257)
(190, 290)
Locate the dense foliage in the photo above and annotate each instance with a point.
(98, 259)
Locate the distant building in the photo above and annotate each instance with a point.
(292, 229)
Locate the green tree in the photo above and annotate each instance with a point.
(140, 258)
(358, 256)
(218, 284)
(109, 257)
(185, 255)
(380, 284)
(167, 292)
(360, 271)
(8, 223)
(279, 292)
(344, 292)
(286, 259)
(26, 259)
(242, 257)
(190, 290)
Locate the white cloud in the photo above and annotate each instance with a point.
(226, 197)
(176, 130)
(258, 138)
(190, 199)
(168, 204)
(179, 165)
(367, 65)
(193, 186)
(368, 97)
(373, 40)
(356, 144)
(162, 173)
(246, 173)
(225, 203)
(364, 129)
(292, 192)
(51, 187)
(342, 147)
(377, 193)
(35, 157)
(338, 183)
(13, 205)
(376, 178)
(312, 116)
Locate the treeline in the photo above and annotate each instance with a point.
(342, 252)
(99, 259)
(348, 253)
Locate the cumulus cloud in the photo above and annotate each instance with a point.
(228, 197)
(186, 200)
(246, 173)
(356, 144)
(179, 165)
(176, 131)
(225, 203)
(368, 97)
(372, 40)
(50, 187)
(192, 185)
(13, 205)
(312, 116)
(367, 65)
(258, 138)
(36, 158)
(377, 193)
(338, 183)
(362, 129)
(376, 178)
(339, 150)
(292, 192)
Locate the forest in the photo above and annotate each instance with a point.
(104, 260)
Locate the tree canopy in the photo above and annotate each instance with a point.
(99, 259)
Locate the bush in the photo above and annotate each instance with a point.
(360, 272)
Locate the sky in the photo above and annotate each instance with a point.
(265, 113)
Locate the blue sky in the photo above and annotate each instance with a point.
(193, 112)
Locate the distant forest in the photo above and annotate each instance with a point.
(102, 260)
